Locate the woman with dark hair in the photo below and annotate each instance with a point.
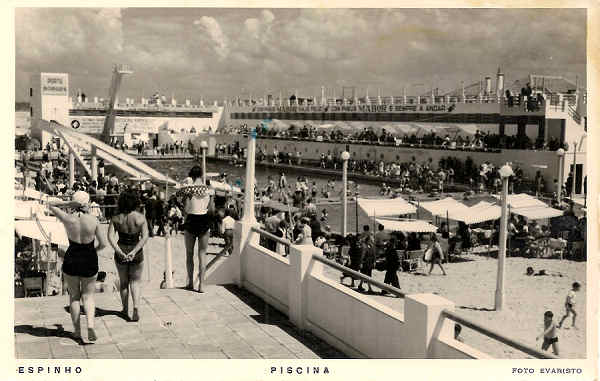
(199, 209)
(437, 254)
(132, 229)
(80, 265)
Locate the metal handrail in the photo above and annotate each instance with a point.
(355, 274)
(497, 336)
(271, 236)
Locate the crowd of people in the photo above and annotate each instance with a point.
(479, 141)
(138, 211)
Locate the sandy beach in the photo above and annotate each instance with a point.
(470, 284)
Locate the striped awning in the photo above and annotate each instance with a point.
(407, 226)
(386, 207)
(537, 212)
(530, 207)
(447, 207)
(481, 212)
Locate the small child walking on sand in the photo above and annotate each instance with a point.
(570, 305)
(549, 333)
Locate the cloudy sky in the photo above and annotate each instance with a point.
(218, 53)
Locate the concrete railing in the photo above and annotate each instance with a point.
(354, 323)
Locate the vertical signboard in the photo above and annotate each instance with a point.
(54, 84)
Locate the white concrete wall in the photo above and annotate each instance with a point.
(267, 275)
(448, 348)
(354, 323)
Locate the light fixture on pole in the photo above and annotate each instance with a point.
(505, 173)
(345, 157)
(203, 147)
(560, 153)
(573, 170)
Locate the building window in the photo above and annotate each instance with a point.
(31, 112)
(31, 91)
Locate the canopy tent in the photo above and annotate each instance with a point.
(42, 231)
(407, 226)
(387, 207)
(530, 207)
(27, 209)
(480, 212)
(537, 212)
(447, 207)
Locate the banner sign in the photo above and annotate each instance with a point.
(359, 108)
(54, 84)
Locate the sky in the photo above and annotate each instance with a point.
(223, 53)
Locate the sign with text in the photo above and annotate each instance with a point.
(357, 108)
(54, 84)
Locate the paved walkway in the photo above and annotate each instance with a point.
(224, 322)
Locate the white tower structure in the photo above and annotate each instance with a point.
(109, 122)
(49, 100)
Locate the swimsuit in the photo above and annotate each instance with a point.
(198, 223)
(81, 259)
(550, 341)
(127, 242)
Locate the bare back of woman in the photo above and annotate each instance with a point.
(80, 265)
(132, 230)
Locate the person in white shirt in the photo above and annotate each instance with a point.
(227, 226)
(199, 207)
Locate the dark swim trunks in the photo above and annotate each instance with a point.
(81, 259)
(548, 342)
(198, 224)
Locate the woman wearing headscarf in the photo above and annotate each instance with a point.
(80, 264)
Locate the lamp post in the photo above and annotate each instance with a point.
(505, 172)
(345, 157)
(203, 147)
(573, 171)
(560, 153)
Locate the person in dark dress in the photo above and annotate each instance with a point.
(392, 265)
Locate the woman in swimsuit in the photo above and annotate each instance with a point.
(132, 229)
(80, 265)
(199, 209)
